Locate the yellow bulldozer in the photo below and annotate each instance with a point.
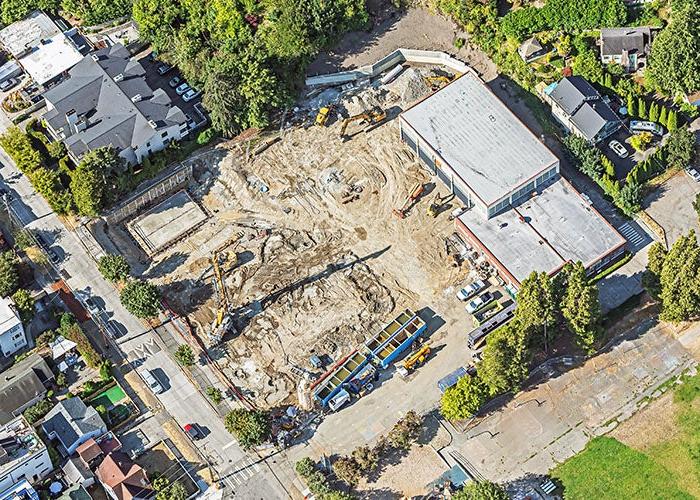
(435, 82)
(417, 357)
(373, 117)
(323, 115)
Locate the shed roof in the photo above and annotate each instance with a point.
(479, 137)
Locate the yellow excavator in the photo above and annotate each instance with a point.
(323, 115)
(417, 357)
(435, 82)
(413, 195)
(221, 262)
(437, 203)
(374, 116)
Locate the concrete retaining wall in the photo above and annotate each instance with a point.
(397, 57)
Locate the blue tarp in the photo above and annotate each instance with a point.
(451, 379)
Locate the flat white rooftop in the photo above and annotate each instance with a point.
(545, 231)
(40, 46)
(479, 138)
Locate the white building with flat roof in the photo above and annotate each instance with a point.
(12, 337)
(23, 455)
(40, 46)
(523, 216)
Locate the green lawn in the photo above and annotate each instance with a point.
(607, 469)
(109, 398)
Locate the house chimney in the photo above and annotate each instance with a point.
(119, 77)
(152, 124)
(72, 119)
(136, 98)
(95, 57)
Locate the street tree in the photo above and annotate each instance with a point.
(250, 427)
(9, 277)
(184, 355)
(347, 470)
(367, 458)
(114, 267)
(651, 279)
(405, 431)
(680, 148)
(581, 308)
(630, 199)
(680, 287)
(141, 298)
(88, 187)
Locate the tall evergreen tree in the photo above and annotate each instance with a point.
(654, 112)
(581, 308)
(680, 280)
(506, 357)
(642, 109)
(652, 276)
(663, 115)
(672, 120)
(631, 105)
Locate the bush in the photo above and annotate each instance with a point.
(37, 411)
(305, 467)
(106, 370)
(71, 330)
(56, 150)
(347, 470)
(206, 136)
(114, 268)
(61, 380)
(250, 427)
(184, 355)
(641, 141)
(214, 394)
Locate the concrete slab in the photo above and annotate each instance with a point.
(671, 205)
(166, 222)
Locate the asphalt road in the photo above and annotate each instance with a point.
(182, 401)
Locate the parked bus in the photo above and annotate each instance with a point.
(644, 126)
(478, 336)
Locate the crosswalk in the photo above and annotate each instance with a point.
(635, 239)
(242, 471)
(140, 353)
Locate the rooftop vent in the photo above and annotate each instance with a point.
(95, 57)
(152, 123)
(119, 77)
(136, 98)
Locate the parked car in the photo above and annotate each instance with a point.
(182, 88)
(92, 307)
(175, 81)
(53, 256)
(8, 84)
(164, 68)
(480, 302)
(190, 95)
(645, 126)
(470, 290)
(41, 240)
(193, 431)
(693, 173)
(618, 149)
(152, 381)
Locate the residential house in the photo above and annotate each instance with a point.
(531, 49)
(22, 385)
(106, 101)
(71, 423)
(23, 455)
(92, 451)
(77, 473)
(122, 479)
(627, 47)
(20, 491)
(75, 492)
(581, 109)
(12, 337)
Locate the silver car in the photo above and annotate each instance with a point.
(182, 88)
(470, 290)
(693, 173)
(152, 382)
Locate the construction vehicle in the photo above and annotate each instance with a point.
(221, 263)
(435, 82)
(410, 200)
(373, 117)
(323, 114)
(417, 357)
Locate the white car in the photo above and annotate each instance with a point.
(619, 149)
(182, 88)
(480, 302)
(152, 382)
(190, 95)
(693, 173)
(470, 290)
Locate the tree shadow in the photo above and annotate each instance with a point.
(188, 295)
(530, 486)
(165, 266)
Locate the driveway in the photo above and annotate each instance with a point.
(555, 420)
(671, 205)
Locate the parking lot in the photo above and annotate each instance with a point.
(624, 165)
(671, 205)
(156, 80)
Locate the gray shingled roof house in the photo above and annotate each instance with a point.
(22, 385)
(625, 46)
(580, 108)
(106, 101)
(72, 423)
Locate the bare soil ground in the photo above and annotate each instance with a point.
(322, 261)
(654, 424)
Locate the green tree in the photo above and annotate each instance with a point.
(654, 112)
(680, 148)
(366, 458)
(630, 199)
(214, 393)
(651, 279)
(25, 304)
(405, 431)
(141, 298)
(305, 467)
(481, 490)
(587, 65)
(37, 411)
(608, 80)
(14, 10)
(581, 308)
(114, 268)
(18, 145)
(680, 288)
(250, 427)
(536, 309)
(167, 490)
(465, 398)
(663, 116)
(9, 277)
(672, 120)
(674, 61)
(642, 108)
(88, 187)
(184, 355)
(505, 359)
(106, 370)
(641, 141)
(631, 105)
(347, 470)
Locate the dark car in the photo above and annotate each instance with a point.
(41, 240)
(53, 256)
(193, 431)
(175, 81)
(8, 84)
(164, 68)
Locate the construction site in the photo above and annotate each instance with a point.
(290, 249)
